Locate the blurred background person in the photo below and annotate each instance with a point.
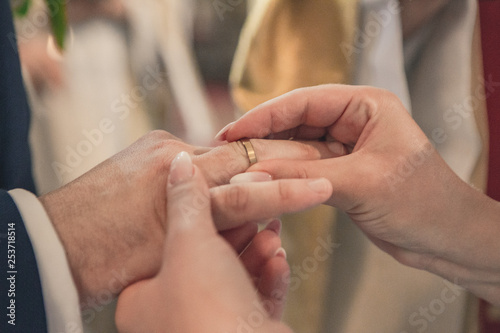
(132, 67)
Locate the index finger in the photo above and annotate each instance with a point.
(347, 107)
(236, 204)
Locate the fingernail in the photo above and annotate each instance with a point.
(181, 168)
(319, 185)
(336, 148)
(251, 177)
(274, 225)
(280, 253)
(221, 136)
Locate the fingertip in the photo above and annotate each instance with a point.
(222, 135)
(337, 148)
(281, 252)
(181, 169)
(275, 225)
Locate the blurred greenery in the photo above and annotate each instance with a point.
(21, 9)
(58, 20)
(57, 14)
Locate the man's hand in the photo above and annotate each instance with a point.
(202, 286)
(391, 180)
(112, 220)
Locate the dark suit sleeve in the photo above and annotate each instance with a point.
(15, 160)
(20, 289)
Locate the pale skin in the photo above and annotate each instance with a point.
(428, 218)
(202, 286)
(114, 218)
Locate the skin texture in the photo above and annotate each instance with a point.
(202, 286)
(112, 220)
(391, 181)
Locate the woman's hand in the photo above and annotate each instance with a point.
(391, 180)
(202, 286)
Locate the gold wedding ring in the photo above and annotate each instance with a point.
(252, 158)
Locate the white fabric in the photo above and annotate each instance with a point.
(59, 291)
(168, 27)
(97, 112)
(379, 48)
(370, 291)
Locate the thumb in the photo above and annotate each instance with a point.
(188, 200)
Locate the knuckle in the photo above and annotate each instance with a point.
(231, 152)
(368, 103)
(171, 145)
(375, 99)
(236, 149)
(284, 191)
(278, 119)
(163, 151)
(237, 198)
(159, 135)
(302, 173)
(368, 98)
(225, 162)
(310, 152)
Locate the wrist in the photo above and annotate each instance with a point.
(474, 226)
(73, 219)
(56, 206)
(467, 252)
